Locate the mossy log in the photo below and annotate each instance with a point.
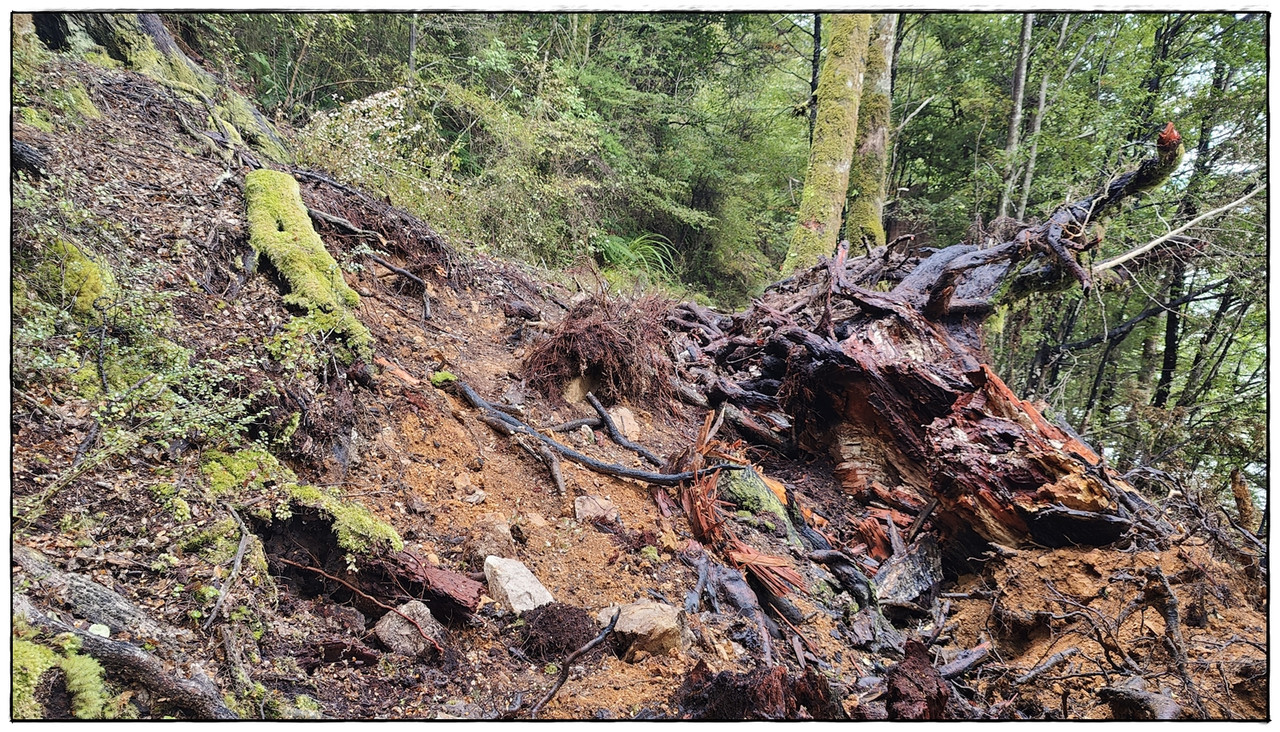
(281, 230)
(140, 42)
(86, 599)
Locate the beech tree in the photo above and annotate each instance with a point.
(826, 182)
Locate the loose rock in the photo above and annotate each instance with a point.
(594, 508)
(402, 636)
(513, 586)
(646, 627)
(490, 536)
(625, 421)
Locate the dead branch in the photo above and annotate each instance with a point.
(1048, 665)
(548, 458)
(235, 568)
(617, 471)
(568, 661)
(1131, 700)
(612, 430)
(1163, 596)
(966, 660)
(574, 424)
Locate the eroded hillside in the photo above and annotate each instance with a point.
(214, 472)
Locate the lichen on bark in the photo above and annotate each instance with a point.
(834, 136)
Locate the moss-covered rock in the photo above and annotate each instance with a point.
(280, 229)
(746, 490)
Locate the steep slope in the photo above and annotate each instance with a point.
(211, 474)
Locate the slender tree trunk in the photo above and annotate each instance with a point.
(1015, 118)
(1203, 351)
(815, 67)
(413, 43)
(865, 220)
(1186, 209)
(1169, 364)
(826, 182)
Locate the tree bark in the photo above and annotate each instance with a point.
(865, 220)
(1015, 117)
(826, 182)
(815, 69)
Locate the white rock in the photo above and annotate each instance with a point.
(513, 586)
(592, 508)
(626, 423)
(402, 636)
(647, 627)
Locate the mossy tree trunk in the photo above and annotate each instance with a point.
(826, 181)
(864, 221)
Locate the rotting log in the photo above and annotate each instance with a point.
(893, 385)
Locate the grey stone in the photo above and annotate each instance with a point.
(513, 586)
(592, 508)
(647, 628)
(402, 636)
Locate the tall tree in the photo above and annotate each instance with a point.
(826, 181)
(1015, 117)
(865, 219)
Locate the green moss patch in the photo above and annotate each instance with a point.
(251, 470)
(280, 229)
(358, 530)
(31, 661)
(746, 490)
(245, 471)
(77, 276)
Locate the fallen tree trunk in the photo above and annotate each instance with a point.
(893, 384)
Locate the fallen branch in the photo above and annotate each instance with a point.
(1048, 665)
(966, 660)
(397, 372)
(611, 429)
(235, 568)
(564, 667)
(1143, 249)
(617, 471)
(543, 453)
(574, 424)
(1131, 700)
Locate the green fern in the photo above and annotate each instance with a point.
(650, 252)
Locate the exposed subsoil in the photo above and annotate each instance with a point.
(418, 458)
